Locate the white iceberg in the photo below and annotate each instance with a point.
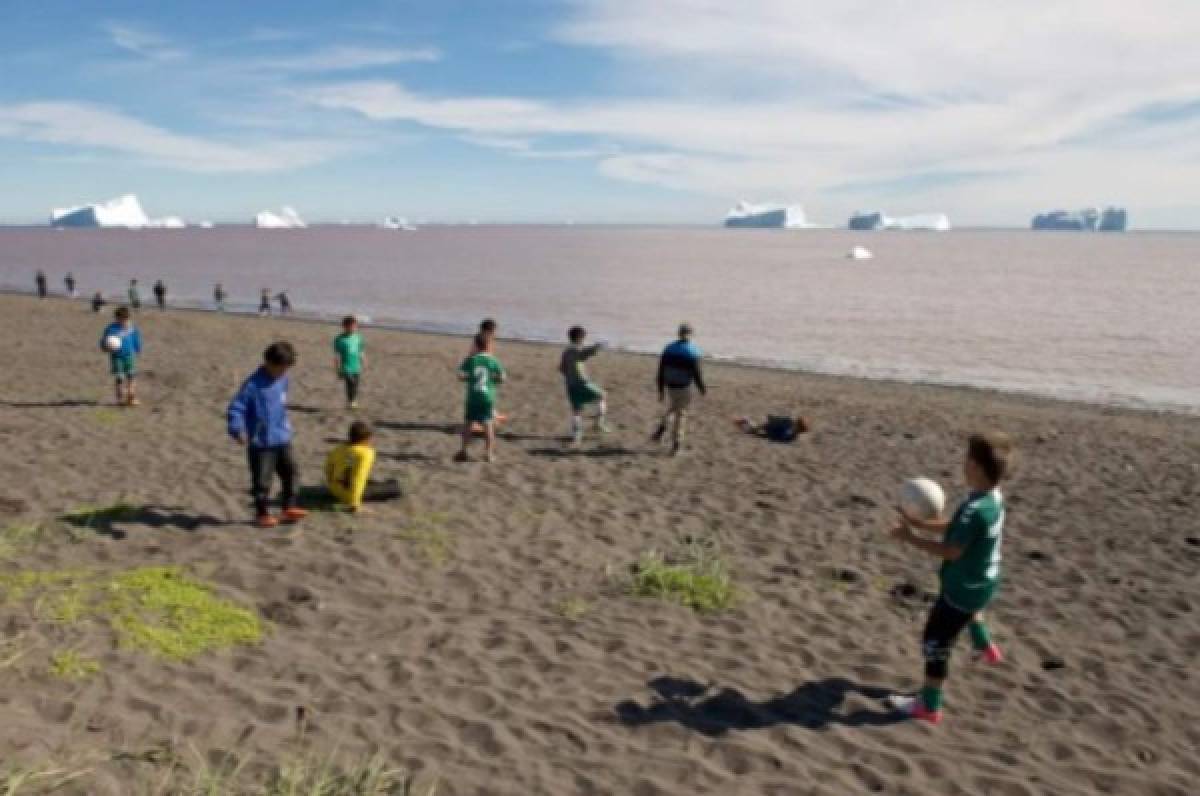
(397, 222)
(860, 253)
(205, 225)
(766, 216)
(124, 211)
(938, 222)
(169, 222)
(286, 218)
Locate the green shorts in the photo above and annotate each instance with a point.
(480, 410)
(583, 393)
(123, 367)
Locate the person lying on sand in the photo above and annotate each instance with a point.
(483, 375)
(348, 472)
(777, 428)
(581, 391)
(970, 569)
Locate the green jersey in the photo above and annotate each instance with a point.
(969, 583)
(349, 348)
(484, 374)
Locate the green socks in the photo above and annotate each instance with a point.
(980, 638)
(931, 698)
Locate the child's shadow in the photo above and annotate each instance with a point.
(105, 522)
(812, 706)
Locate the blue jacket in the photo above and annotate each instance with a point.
(131, 340)
(679, 366)
(259, 411)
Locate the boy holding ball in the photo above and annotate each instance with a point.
(970, 569)
(122, 342)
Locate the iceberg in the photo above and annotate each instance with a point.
(124, 211)
(397, 222)
(286, 218)
(169, 222)
(747, 215)
(860, 253)
(938, 222)
(1089, 219)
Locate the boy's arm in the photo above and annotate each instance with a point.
(137, 341)
(947, 551)
(662, 379)
(236, 413)
(592, 350)
(936, 525)
(699, 376)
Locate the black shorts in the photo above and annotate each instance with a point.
(942, 629)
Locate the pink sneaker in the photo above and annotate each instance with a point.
(990, 655)
(914, 708)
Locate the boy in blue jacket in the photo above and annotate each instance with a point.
(258, 419)
(123, 355)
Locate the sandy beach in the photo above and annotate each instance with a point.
(479, 632)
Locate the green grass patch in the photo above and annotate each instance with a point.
(427, 531)
(696, 577)
(573, 608)
(108, 417)
(70, 665)
(16, 538)
(158, 610)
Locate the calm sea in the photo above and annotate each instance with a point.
(1105, 318)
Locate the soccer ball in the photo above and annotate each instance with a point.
(922, 498)
(112, 343)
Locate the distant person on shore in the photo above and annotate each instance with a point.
(264, 302)
(219, 297)
(350, 356)
(348, 472)
(776, 428)
(160, 294)
(678, 371)
(258, 420)
(483, 375)
(40, 280)
(69, 283)
(135, 295)
(98, 302)
(581, 391)
(122, 341)
(969, 552)
(285, 304)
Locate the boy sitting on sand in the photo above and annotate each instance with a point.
(350, 351)
(580, 390)
(970, 570)
(123, 359)
(483, 374)
(348, 472)
(258, 419)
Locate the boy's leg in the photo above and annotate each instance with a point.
(489, 430)
(285, 467)
(262, 467)
(131, 390)
(576, 425)
(467, 433)
(981, 640)
(119, 390)
(602, 414)
(941, 631)
(352, 388)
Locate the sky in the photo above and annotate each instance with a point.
(602, 111)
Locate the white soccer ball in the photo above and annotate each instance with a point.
(922, 498)
(112, 343)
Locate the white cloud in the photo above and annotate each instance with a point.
(346, 58)
(90, 127)
(145, 43)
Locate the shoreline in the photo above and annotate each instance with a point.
(1007, 392)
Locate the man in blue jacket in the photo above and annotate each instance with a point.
(258, 419)
(122, 341)
(678, 371)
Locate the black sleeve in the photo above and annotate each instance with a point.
(662, 370)
(699, 377)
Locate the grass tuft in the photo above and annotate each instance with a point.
(70, 665)
(16, 538)
(573, 608)
(159, 610)
(697, 578)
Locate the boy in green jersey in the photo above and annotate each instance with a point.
(483, 374)
(581, 391)
(970, 570)
(350, 351)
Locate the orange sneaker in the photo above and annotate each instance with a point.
(293, 515)
(266, 521)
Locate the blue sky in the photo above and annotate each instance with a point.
(602, 110)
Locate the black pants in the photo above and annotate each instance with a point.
(941, 631)
(352, 381)
(265, 464)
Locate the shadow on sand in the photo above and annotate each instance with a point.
(698, 707)
(587, 453)
(106, 522)
(66, 403)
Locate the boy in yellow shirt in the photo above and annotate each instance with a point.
(348, 472)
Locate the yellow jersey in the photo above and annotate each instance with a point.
(347, 468)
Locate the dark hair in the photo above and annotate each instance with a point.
(993, 452)
(481, 342)
(281, 353)
(122, 314)
(360, 431)
(576, 334)
(487, 326)
(349, 320)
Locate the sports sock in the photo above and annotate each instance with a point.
(576, 426)
(980, 638)
(931, 698)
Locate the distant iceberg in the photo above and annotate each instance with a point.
(397, 222)
(938, 222)
(205, 225)
(1090, 219)
(286, 218)
(124, 211)
(745, 214)
(860, 253)
(169, 222)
